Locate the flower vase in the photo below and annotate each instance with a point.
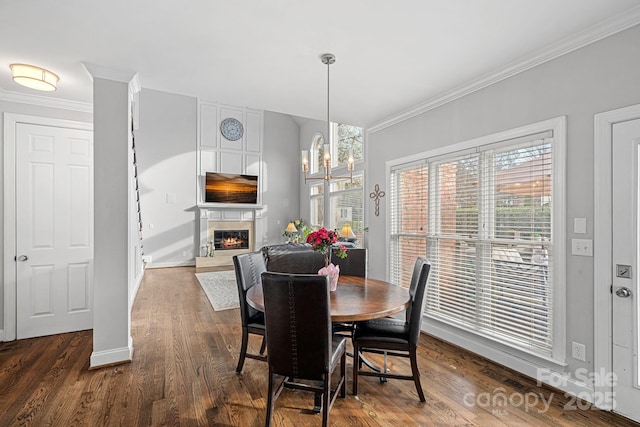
(333, 271)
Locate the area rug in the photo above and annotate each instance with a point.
(221, 289)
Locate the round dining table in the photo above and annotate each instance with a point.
(355, 299)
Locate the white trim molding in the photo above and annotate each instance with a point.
(603, 245)
(112, 357)
(45, 101)
(591, 35)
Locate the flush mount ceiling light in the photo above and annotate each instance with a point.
(34, 77)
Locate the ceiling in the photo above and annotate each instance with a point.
(391, 56)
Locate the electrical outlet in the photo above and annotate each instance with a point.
(578, 351)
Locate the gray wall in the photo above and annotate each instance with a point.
(281, 157)
(112, 173)
(166, 156)
(32, 110)
(599, 77)
(166, 145)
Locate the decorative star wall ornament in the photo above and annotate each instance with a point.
(376, 195)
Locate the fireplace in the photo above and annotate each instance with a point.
(224, 240)
(229, 237)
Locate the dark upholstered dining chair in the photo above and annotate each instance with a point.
(249, 268)
(300, 345)
(394, 337)
(296, 258)
(355, 264)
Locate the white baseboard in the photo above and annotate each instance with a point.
(111, 357)
(188, 263)
(552, 377)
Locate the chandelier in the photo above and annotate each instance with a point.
(327, 59)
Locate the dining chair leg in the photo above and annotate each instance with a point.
(270, 400)
(263, 346)
(326, 400)
(356, 366)
(343, 375)
(416, 372)
(384, 368)
(243, 349)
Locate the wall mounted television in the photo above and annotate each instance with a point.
(231, 188)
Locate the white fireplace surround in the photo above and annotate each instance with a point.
(213, 219)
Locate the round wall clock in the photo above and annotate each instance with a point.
(231, 129)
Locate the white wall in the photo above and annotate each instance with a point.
(32, 110)
(599, 77)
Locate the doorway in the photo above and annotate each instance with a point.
(48, 265)
(616, 231)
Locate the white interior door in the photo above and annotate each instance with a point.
(626, 241)
(54, 229)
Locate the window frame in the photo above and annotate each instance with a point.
(558, 223)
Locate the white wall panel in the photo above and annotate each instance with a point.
(252, 166)
(253, 132)
(230, 162)
(208, 125)
(208, 161)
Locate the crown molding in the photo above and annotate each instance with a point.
(107, 73)
(44, 101)
(628, 19)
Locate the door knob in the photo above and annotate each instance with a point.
(23, 258)
(623, 292)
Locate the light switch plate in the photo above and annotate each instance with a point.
(582, 247)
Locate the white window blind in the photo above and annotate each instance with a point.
(483, 219)
(408, 216)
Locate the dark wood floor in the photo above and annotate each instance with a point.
(183, 374)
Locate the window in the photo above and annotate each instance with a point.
(348, 138)
(483, 216)
(317, 205)
(344, 199)
(347, 206)
(317, 153)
